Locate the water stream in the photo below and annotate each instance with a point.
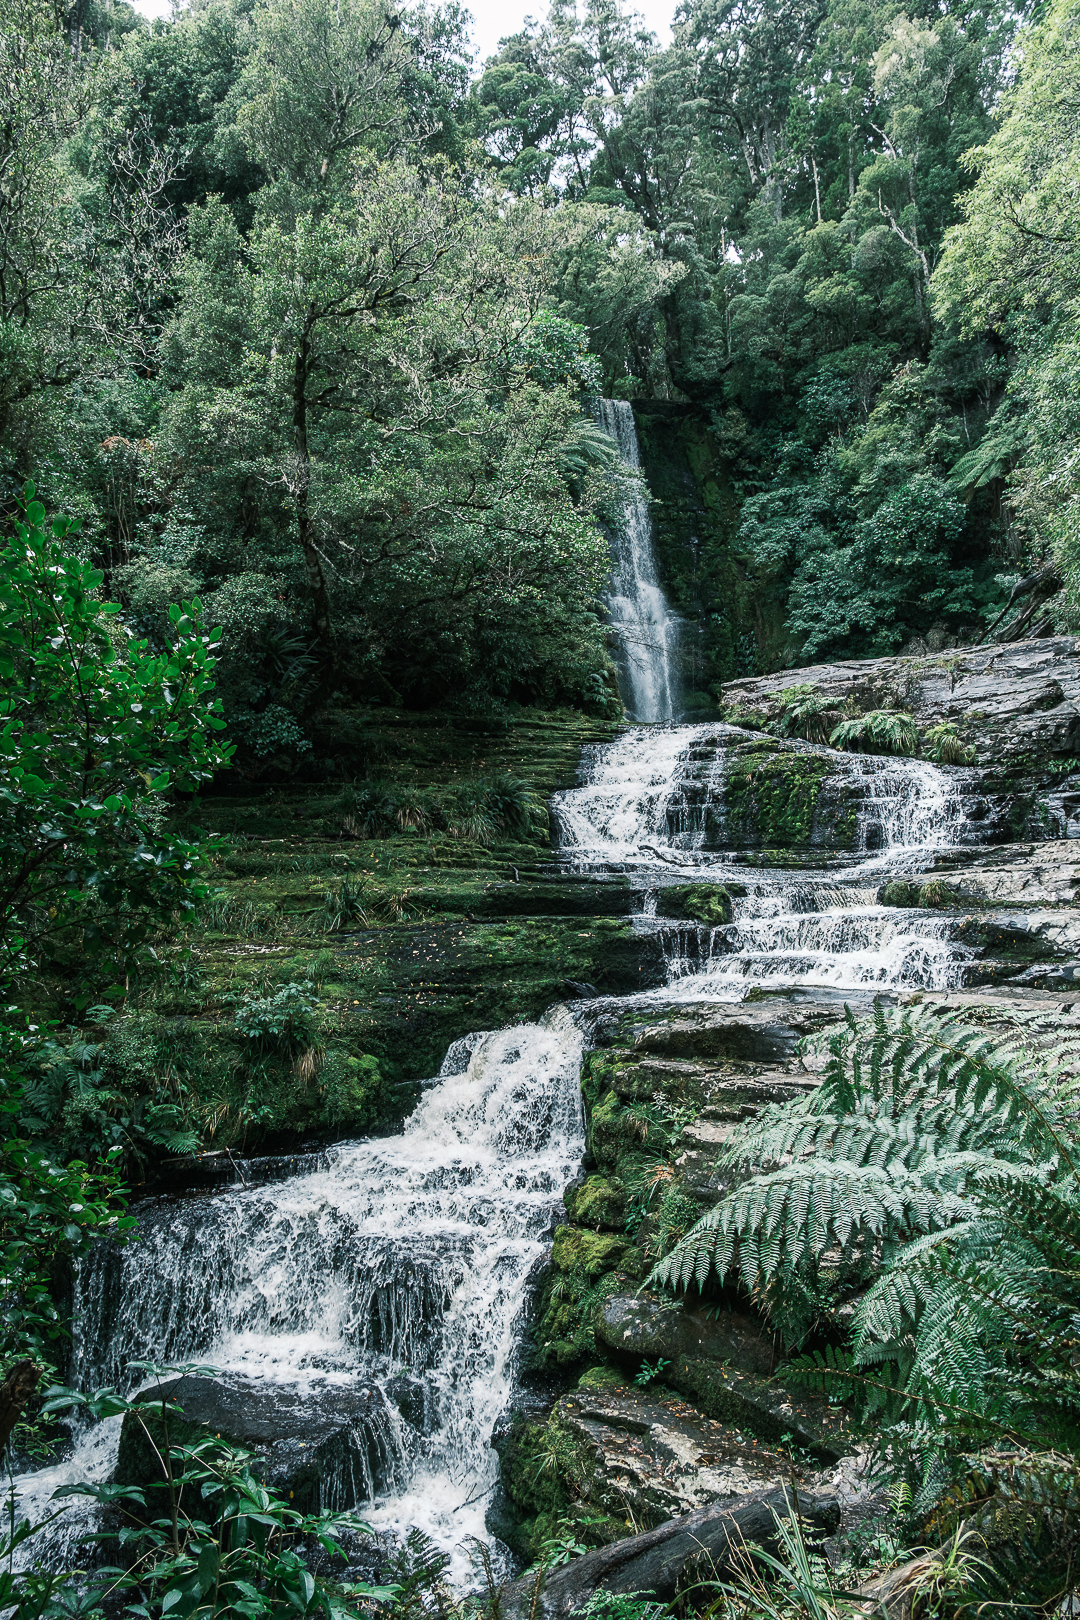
(390, 1277)
(647, 631)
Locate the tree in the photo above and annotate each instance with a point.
(97, 729)
(1013, 266)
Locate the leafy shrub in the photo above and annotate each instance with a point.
(272, 730)
(882, 731)
(352, 1090)
(899, 892)
(944, 745)
(281, 1022)
(342, 907)
(802, 714)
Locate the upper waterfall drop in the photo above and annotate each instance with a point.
(647, 629)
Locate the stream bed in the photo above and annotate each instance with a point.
(380, 1293)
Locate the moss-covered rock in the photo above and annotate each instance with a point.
(599, 1202)
(708, 903)
(771, 800)
(591, 1253)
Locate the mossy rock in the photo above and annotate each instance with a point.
(771, 797)
(936, 894)
(899, 892)
(599, 1202)
(708, 903)
(602, 1377)
(591, 1253)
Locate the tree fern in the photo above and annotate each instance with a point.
(938, 1160)
(914, 1105)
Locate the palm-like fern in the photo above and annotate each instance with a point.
(913, 1106)
(943, 1160)
(882, 731)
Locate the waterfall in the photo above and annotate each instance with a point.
(389, 1278)
(647, 630)
(401, 1261)
(654, 802)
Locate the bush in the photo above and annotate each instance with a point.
(281, 1022)
(802, 714)
(882, 731)
(944, 745)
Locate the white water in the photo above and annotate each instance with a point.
(647, 630)
(407, 1256)
(652, 801)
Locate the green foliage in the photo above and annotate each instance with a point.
(647, 1373)
(97, 728)
(48, 1212)
(602, 1605)
(282, 1022)
(224, 1543)
(882, 731)
(944, 745)
(480, 810)
(802, 714)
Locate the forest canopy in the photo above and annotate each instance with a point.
(302, 310)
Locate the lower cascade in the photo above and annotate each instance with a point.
(385, 1286)
(395, 1274)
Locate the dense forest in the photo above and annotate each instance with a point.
(299, 313)
(309, 517)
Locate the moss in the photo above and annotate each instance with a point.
(546, 1476)
(600, 1201)
(771, 797)
(936, 894)
(591, 1253)
(708, 903)
(602, 1377)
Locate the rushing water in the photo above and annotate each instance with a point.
(647, 630)
(402, 1260)
(653, 803)
(393, 1274)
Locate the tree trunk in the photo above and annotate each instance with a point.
(322, 617)
(15, 1393)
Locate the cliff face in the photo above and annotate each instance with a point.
(730, 625)
(1017, 706)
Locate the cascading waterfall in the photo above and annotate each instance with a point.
(403, 1260)
(648, 802)
(647, 630)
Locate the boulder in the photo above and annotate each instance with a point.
(655, 1562)
(656, 1456)
(329, 1447)
(637, 1327)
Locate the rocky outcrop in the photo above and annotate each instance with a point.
(318, 1454)
(658, 1562)
(1016, 705)
(635, 1327)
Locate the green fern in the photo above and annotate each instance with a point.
(938, 1164)
(882, 731)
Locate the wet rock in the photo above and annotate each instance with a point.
(636, 1327)
(760, 1406)
(657, 1457)
(658, 1561)
(1014, 704)
(1025, 874)
(761, 1034)
(321, 1448)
